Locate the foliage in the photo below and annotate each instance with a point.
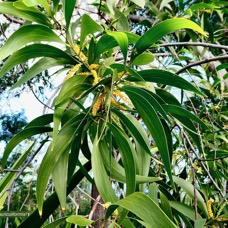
(153, 156)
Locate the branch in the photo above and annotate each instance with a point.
(12, 19)
(194, 44)
(202, 62)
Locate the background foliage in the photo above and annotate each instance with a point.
(139, 119)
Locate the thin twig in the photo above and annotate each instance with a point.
(194, 44)
(202, 62)
(12, 19)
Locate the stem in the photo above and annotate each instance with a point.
(194, 44)
(201, 62)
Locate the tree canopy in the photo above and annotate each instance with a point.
(141, 111)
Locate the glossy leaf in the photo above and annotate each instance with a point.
(34, 51)
(56, 223)
(152, 121)
(44, 3)
(116, 171)
(172, 109)
(143, 59)
(41, 120)
(7, 179)
(126, 150)
(122, 40)
(20, 10)
(24, 134)
(25, 35)
(161, 29)
(68, 8)
(40, 66)
(59, 172)
(184, 209)
(150, 213)
(140, 3)
(167, 78)
(189, 189)
(53, 154)
(52, 202)
(101, 178)
(88, 26)
(79, 220)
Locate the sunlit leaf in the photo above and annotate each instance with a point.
(101, 178)
(24, 134)
(189, 189)
(68, 8)
(56, 223)
(122, 40)
(27, 13)
(150, 213)
(126, 150)
(153, 123)
(143, 59)
(88, 26)
(140, 3)
(158, 31)
(64, 139)
(79, 220)
(25, 35)
(34, 51)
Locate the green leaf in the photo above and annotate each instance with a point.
(88, 26)
(40, 66)
(44, 3)
(200, 223)
(140, 3)
(63, 141)
(143, 59)
(146, 209)
(5, 181)
(52, 202)
(101, 178)
(136, 132)
(59, 172)
(165, 205)
(126, 150)
(189, 189)
(68, 8)
(184, 209)
(122, 40)
(122, 21)
(173, 109)
(203, 6)
(24, 134)
(20, 10)
(34, 51)
(148, 113)
(116, 171)
(56, 223)
(79, 220)
(161, 29)
(25, 35)
(168, 78)
(41, 120)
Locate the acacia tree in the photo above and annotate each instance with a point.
(154, 135)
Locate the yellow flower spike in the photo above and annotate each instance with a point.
(106, 205)
(96, 78)
(94, 66)
(83, 57)
(72, 70)
(210, 213)
(122, 96)
(76, 49)
(97, 104)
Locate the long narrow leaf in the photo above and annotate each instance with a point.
(34, 51)
(25, 35)
(24, 134)
(149, 212)
(161, 29)
(153, 123)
